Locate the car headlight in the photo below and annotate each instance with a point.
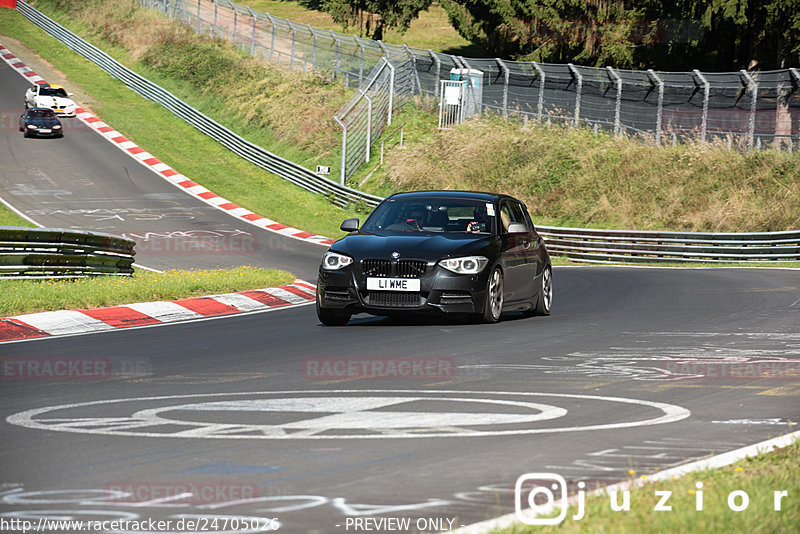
(32, 127)
(57, 127)
(465, 265)
(333, 261)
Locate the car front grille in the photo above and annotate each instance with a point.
(400, 269)
(390, 299)
(377, 267)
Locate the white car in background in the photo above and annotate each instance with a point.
(53, 97)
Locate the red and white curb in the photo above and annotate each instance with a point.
(70, 322)
(168, 173)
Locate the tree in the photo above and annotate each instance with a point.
(372, 17)
(705, 34)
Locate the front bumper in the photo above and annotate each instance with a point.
(440, 291)
(38, 133)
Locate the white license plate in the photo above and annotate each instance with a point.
(45, 130)
(392, 284)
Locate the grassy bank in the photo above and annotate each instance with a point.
(759, 476)
(30, 296)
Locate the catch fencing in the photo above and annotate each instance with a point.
(294, 173)
(745, 110)
(62, 253)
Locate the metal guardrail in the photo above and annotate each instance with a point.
(297, 174)
(62, 253)
(619, 246)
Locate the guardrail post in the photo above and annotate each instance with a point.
(438, 63)
(383, 48)
(314, 47)
(235, 20)
(294, 40)
(253, 34)
(344, 149)
(660, 113)
(391, 91)
(199, 20)
(414, 67)
(579, 88)
(336, 63)
(706, 95)
(272, 41)
(751, 122)
(543, 77)
(618, 106)
(369, 123)
(506, 74)
(216, 9)
(361, 61)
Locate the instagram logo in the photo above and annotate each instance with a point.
(529, 484)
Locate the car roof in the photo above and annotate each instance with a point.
(472, 195)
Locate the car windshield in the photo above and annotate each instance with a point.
(441, 215)
(41, 114)
(52, 91)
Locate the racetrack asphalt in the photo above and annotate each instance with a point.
(273, 415)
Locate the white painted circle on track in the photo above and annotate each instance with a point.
(349, 414)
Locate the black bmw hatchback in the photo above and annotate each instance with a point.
(40, 122)
(437, 251)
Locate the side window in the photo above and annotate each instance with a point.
(519, 215)
(511, 211)
(506, 216)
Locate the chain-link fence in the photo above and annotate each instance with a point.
(746, 110)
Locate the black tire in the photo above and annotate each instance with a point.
(494, 297)
(331, 317)
(545, 300)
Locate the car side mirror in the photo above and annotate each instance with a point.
(70, 94)
(349, 225)
(517, 228)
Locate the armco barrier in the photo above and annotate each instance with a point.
(59, 252)
(615, 246)
(297, 174)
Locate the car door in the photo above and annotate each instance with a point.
(537, 255)
(529, 249)
(514, 253)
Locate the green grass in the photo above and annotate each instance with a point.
(30, 296)
(178, 144)
(759, 476)
(9, 218)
